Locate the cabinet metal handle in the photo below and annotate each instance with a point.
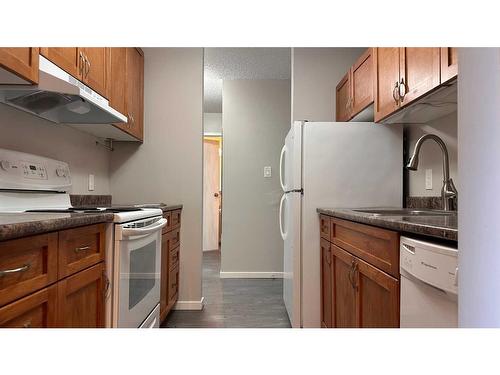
(395, 93)
(352, 273)
(80, 64)
(27, 324)
(82, 248)
(87, 67)
(107, 283)
(15, 270)
(402, 90)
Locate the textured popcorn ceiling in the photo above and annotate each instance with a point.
(241, 63)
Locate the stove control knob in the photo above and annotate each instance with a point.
(60, 172)
(5, 164)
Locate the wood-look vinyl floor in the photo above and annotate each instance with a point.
(233, 303)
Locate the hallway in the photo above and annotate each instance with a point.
(234, 303)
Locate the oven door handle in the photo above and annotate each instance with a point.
(128, 232)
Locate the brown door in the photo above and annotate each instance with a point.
(165, 252)
(21, 61)
(449, 63)
(135, 92)
(344, 292)
(343, 99)
(378, 297)
(38, 310)
(116, 78)
(386, 79)
(419, 72)
(326, 285)
(211, 195)
(362, 82)
(80, 299)
(95, 69)
(67, 58)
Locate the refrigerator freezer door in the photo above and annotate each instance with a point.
(345, 165)
(291, 159)
(291, 264)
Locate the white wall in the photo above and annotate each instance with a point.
(168, 166)
(431, 156)
(478, 167)
(212, 123)
(315, 75)
(21, 131)
(256, 118)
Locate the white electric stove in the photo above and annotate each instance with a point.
(35, 185)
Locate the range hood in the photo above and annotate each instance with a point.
(60, 98)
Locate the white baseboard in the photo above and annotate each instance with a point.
(189, 305)
(251, 275)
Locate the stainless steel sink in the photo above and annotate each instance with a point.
(405, 212)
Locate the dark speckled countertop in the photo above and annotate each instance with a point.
(443, 227)
(15, 225)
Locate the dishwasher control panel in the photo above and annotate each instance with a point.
(433, 264)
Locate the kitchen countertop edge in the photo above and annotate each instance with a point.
(393, 223)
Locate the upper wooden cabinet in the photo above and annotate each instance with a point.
(385, 81)
(22, 61)
(127, 67)
(355, 91)
(419, 72)
(88, 64)
(449, 63)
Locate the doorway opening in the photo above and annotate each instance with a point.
(212, 192)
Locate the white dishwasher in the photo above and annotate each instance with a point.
(429, 275)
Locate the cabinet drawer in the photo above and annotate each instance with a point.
(173, 284)
(175, 238)
(324, 226)
(38, 310)
(26, 265)
(167, 227)
(379, 247)
(80, 248)
(175, 218)
(173, 258)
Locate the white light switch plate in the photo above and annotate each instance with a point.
(267, 172)
(428, 179)
(91, 182)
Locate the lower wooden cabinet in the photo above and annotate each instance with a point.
(355, 293)
(37, 291)
(170, 246)
(37, 310)
(80, 299)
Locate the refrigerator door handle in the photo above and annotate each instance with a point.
(283, 233)
(283, 150)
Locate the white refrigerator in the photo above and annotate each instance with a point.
(330, 165)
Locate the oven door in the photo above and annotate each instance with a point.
(138, 246)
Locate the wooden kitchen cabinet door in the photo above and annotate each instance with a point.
(362, 82)
(31, 264)
(38, 310)
(22, 61)
(343, 99)
(95, 69)
(419, 72)
(449, 63)
(165, 266)
(80, 299)
(117, 76)
(385, 81)
(378, 297)
(344, 294)
(66, 58)
(135, 92)
(326, 285)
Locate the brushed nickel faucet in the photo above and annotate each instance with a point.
(448, 191)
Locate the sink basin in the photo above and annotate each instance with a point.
(405, 212)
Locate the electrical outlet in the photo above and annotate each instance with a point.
(267, 172)
(428, 179)
(91, 182)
